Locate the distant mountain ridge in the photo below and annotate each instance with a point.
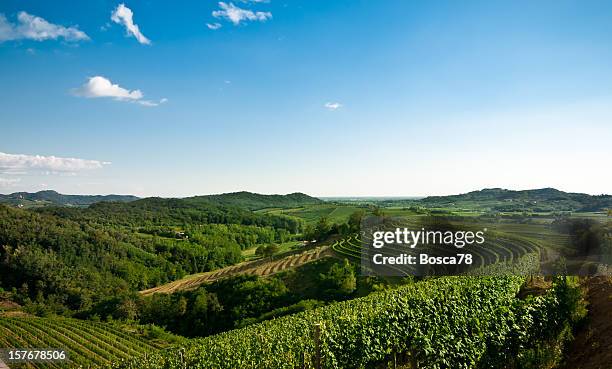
(49, 197)
(497, 199)
(543, 199)
(243, 199)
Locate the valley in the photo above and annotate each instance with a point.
(127, 284)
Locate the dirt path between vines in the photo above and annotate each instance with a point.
(592, 347)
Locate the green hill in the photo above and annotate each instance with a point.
(77, 258)
(243, 199)
(255, 201)
(46, 198)
(544, 199)
(156, 211)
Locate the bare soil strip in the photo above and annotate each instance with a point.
(258, 267)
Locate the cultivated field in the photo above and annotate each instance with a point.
(261, 267)
(86, 343)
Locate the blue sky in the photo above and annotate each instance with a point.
(325, 97)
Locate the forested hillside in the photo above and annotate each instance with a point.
(47, 198)
(79, 259)
(544, 199)
(155, 211)
(255, 201)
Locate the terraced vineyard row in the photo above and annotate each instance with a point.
(88, 344)
(501, 249)
(262, 267)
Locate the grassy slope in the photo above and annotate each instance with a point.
(336, 213)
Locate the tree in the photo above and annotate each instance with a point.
(271, 249)
(309, 232)
(204, 308)
(354, 220)
(340, 280)
(267, 250)
(127, 309)
(344, 229)
(377, 211)
(261, 250)
(322, 228)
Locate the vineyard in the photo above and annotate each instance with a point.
(433, 323)
(505, 243)
(501, 250)
(88, 344)
(261, 267)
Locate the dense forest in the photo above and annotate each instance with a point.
(72, 260)
(255, 201)
(242, 300)
(157, 211)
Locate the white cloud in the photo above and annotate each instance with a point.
(236, 15)
(213, 26)
(36, 28)
(99, 86)
(333, 105)
(11, 162)
(124, 15)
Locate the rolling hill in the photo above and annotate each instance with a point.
(544, 199)
(109, 248)
(255, 201)
(243, 199)
(47, 198)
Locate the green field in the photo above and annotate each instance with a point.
(249, 254)
(335, 213)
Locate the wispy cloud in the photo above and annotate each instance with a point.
(124, 15)
(152, 103)
(31, 27)
(213, 26)
(236, 14)
(12, 162)
(9, 182)
(332, 105)
(99, 86)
